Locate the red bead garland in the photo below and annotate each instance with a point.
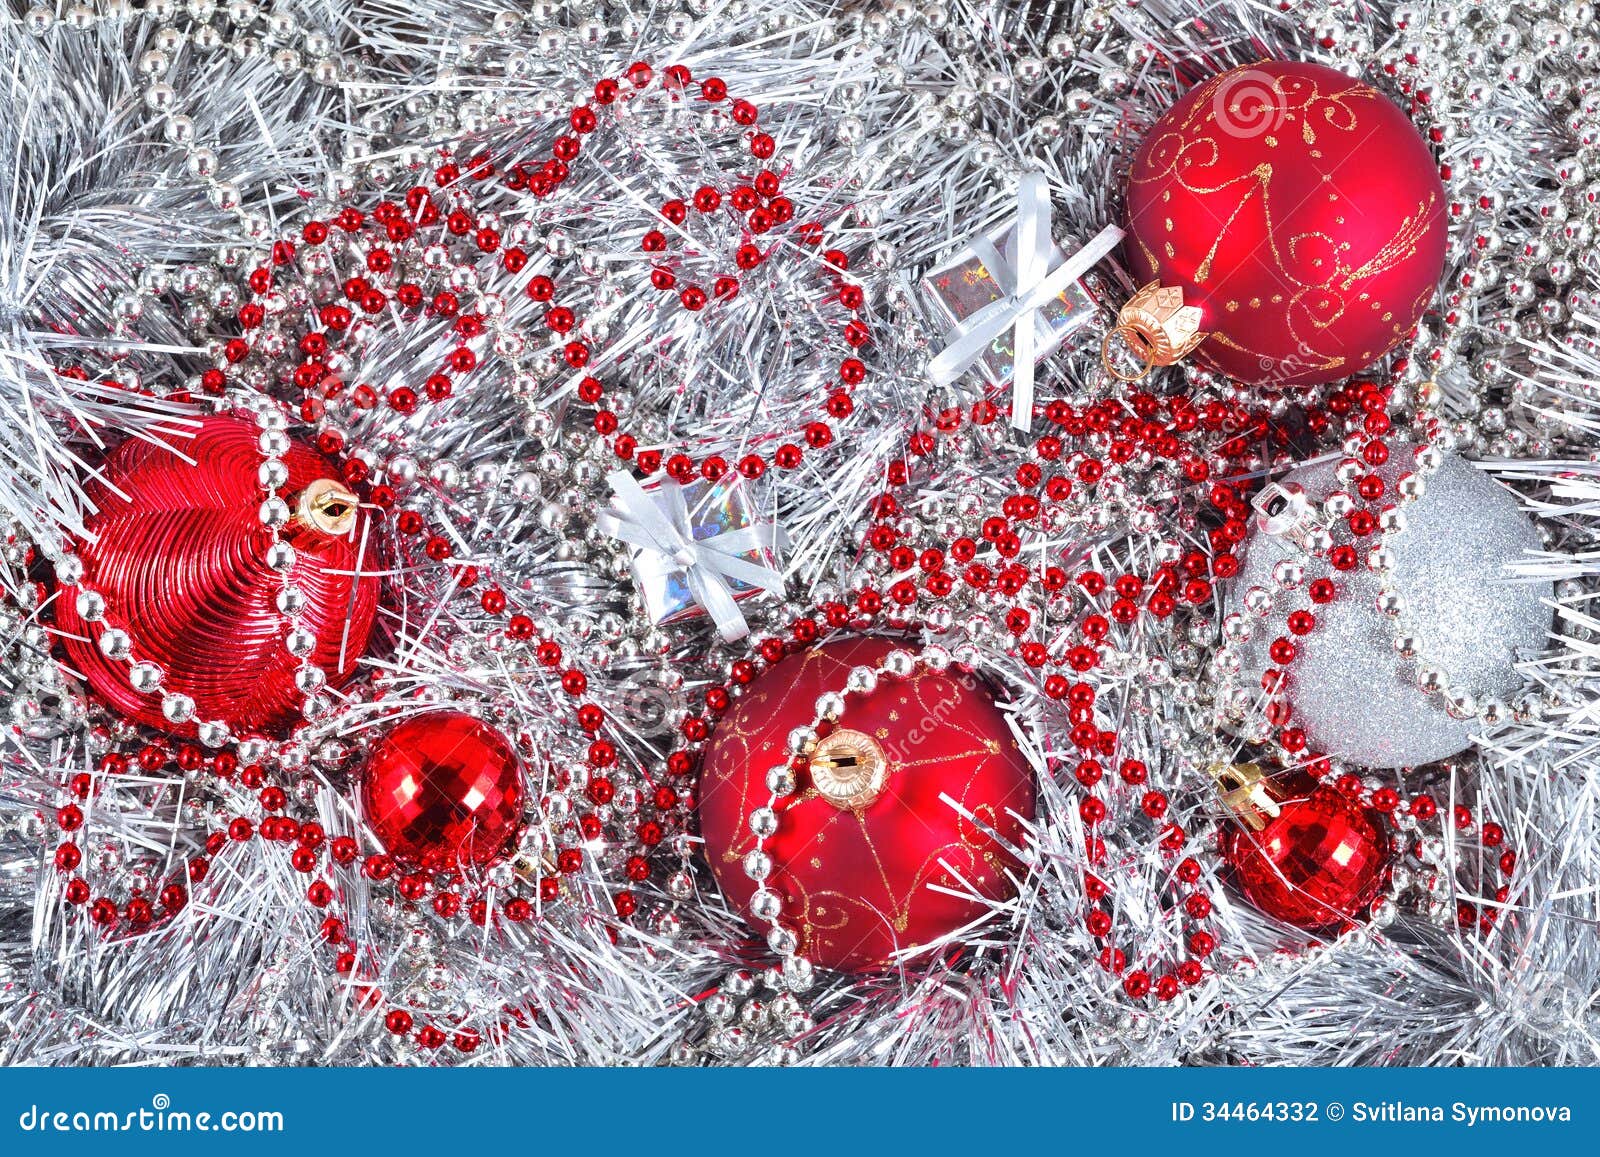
(1119, 429)
(758, 204)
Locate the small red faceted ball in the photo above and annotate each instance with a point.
(1299, 209)
(178, 551)
(442, 789)
(1318, 864)
(859, 882)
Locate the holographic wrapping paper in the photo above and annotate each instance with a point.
(715, 508)
(963, 285)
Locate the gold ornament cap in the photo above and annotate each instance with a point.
(849, 769)
(1245, 789)
(1157, 327)
(329, 507)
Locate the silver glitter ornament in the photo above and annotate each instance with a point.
(1356, 698)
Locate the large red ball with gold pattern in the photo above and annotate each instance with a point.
(863, 874)
(1317, 859)
(176, 549)
(1299, 210)
(443, 789)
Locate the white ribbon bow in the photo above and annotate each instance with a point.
(1024, 275)
(658, 521)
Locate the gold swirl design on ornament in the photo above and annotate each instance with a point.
(1316, 299)
(831, 912)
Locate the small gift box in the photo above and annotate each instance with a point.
(694, 549)
(976, 277)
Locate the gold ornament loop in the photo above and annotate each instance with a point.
(329, 507)
(1158, 326)
(1130, 339)
(1245, 790)
(849, 769)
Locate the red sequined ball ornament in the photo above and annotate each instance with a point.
(443, 789)
(177, 551)
(1317, 860)
(1299, 211)
(861, 871)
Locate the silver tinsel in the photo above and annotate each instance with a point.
(154, 151)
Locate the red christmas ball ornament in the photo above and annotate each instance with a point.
(1301, 851)
(443, 789)
(865, 844)
(176, 570)
(1298, 210)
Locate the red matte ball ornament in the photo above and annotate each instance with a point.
(1298, 210)
(443, 789)
(176, 549)
(1303, 852)
(864, 876)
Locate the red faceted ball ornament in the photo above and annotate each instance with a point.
(1299, 211)
(1306, 853)
(176, 550)
(443, 789)
(867, 853)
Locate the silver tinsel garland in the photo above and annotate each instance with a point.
(153, 150)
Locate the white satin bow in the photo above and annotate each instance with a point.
(1024, 275)
(657, 523)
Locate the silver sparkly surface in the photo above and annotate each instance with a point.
(1453, 564)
